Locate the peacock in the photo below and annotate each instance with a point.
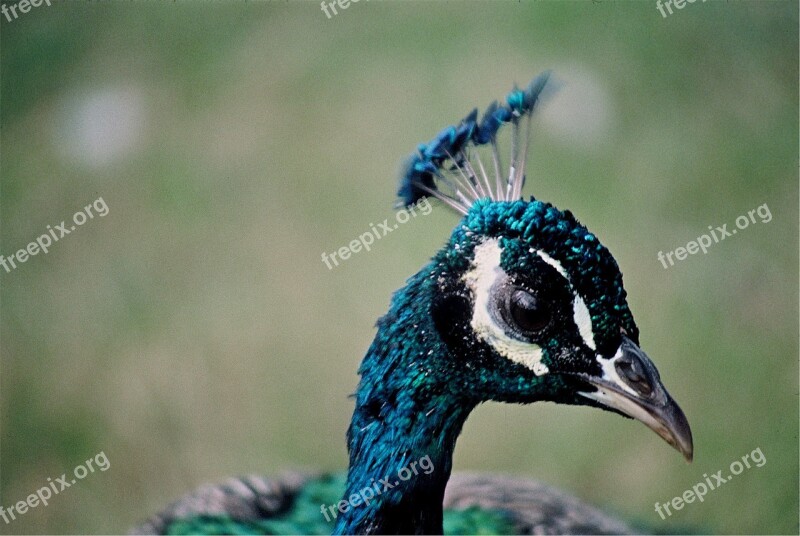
(523, 304)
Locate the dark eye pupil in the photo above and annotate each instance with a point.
(527, 312)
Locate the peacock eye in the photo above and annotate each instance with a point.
(525, 313)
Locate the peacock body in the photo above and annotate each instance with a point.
(522, 304)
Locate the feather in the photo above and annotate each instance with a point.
(445, 167)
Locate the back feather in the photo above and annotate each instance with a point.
(473, 504)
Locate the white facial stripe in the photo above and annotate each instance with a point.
(552, 262)
(485, 271)
(610, 372)
(580, 313)
(583, 320)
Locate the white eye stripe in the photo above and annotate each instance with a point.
(580, 313)
(485, 271)
(552, 262)
(582, 318)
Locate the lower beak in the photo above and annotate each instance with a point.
(630, 384)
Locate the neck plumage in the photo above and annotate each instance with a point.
(404, 427)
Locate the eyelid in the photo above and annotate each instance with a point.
(500, 308)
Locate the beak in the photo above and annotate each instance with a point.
(630, 384)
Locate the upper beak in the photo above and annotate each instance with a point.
(631, 385)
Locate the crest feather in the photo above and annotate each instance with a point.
(449, 167)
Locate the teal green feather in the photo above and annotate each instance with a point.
(304, 516)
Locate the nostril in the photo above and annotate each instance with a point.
(631, 372)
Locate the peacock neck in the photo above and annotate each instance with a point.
(399, 468)
(404, 427)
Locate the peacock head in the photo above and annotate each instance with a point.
(526, 301)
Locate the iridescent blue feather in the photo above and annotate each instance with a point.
(449, 169)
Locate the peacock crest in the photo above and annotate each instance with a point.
(450, 166)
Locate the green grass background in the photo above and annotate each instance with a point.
(194, 332)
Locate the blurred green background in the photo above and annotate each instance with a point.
(194, 333)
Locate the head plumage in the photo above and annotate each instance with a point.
(450, 168)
